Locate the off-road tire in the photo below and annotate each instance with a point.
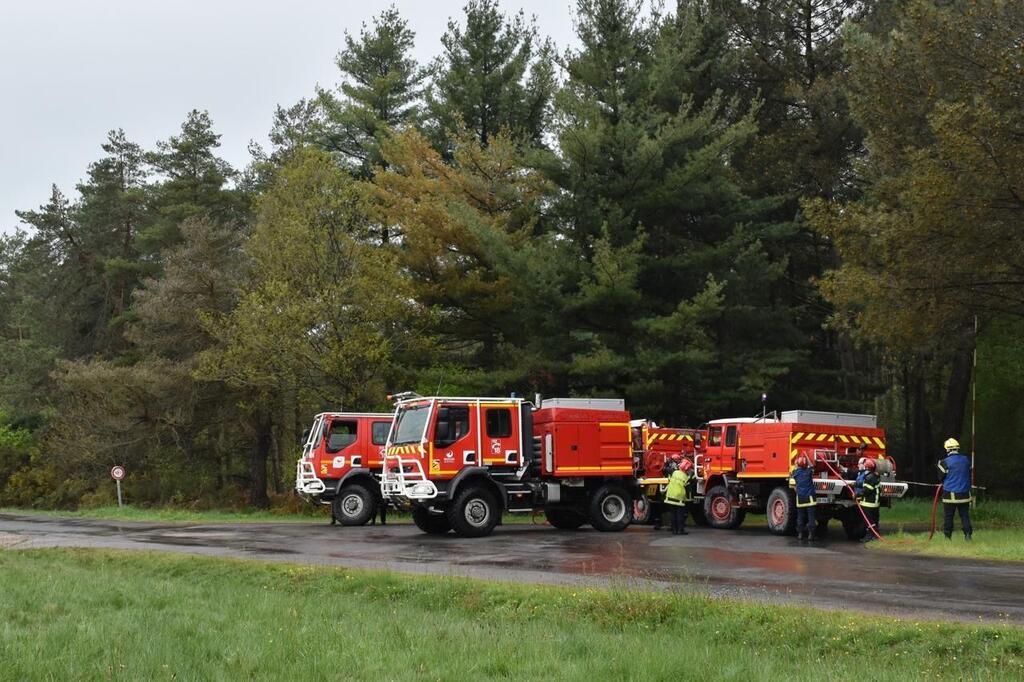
(565, 518)
(781, 511)
(354, 505)
(719, 510)
(434, 524)
(474, 512)
(610, 508)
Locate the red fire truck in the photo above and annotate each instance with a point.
(653, 446)
(461, 462)
(341, 461)
(744, 466)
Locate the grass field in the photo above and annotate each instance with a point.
(130, 513)
(88, 614)
(999, 531)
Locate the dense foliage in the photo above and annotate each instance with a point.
(692, 206)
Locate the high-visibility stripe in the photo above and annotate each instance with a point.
(844, 438)
(608, 469)
(881, 445)
(798, 436)
(821, 437)
(626, 424)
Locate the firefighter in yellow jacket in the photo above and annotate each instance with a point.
(680, 492)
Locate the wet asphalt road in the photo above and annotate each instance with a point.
(748, 563)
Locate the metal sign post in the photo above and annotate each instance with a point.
(117, 473)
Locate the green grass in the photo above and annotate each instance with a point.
(1000, 544)
(130, 513)
(998, 531)
(89, 614)
(988, 514)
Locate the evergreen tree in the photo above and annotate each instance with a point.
(682, 282)
(473, 241)
(935, 239)
(380, 91)
(194, 182)
(493, 74)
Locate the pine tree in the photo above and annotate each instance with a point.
(194, 182)
(473, 241)
(682, 281)
(380, 91)
(493, 74)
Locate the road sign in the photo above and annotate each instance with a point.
(117, 473)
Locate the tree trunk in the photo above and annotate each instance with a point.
(920, 438)
(275, 462)
(957, 390)
(258, 464)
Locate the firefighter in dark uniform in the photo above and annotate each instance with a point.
(802, 479)
(679, 494)
(870, 498)
(955, 470)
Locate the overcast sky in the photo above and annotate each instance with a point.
(70, 70)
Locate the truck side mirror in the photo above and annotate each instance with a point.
(305, 436)
(441, 436)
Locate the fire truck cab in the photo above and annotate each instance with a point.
(459, 463)
(340, 463)
(745, 465)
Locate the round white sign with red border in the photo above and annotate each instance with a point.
(117, 473)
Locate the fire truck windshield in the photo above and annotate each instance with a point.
(410, 424)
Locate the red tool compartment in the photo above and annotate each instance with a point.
(580, 442)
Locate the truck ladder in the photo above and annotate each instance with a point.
(306, 480)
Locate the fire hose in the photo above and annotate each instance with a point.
(867, 521)
(935, 506)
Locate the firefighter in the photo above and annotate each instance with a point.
(870, 497)
(802, 479)
(671, 464)
(382, 510)
(955, 470)
(679, 493)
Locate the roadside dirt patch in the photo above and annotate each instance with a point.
(9, 540)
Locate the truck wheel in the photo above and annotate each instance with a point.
(564, 518)
(719, 509)
(435, 524)
(697, 514)
(474, 513)
(781, 511)
(853, 524)
(611, 508)
(354, 505)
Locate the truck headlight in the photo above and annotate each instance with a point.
(421, 489)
